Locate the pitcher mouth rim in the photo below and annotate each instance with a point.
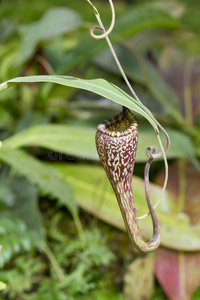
(126, 113)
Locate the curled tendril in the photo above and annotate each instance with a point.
(151, 151)
(97, 37)
(105, 33)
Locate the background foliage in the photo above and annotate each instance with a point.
(61, 230)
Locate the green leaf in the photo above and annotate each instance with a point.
(55, 22)
(144, 18)
(79, 141)
(7, 28)
(93, 193)
(27, 208)
(68, 140)
(98, 86)
(19, 198)
(44, 177)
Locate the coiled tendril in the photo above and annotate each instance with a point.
(105, 33)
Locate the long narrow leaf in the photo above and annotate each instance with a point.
(79, 141)
(93, 192)
(98, 86)
(53, 23)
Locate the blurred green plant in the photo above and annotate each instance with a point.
(27, 110)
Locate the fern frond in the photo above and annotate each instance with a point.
(15, 237)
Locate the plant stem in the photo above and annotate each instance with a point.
(80, 230)
(45, 64)
(188, 91)
(53, 261)
(92, 6)
(182, 186)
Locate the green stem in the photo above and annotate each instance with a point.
(45, 64)
(53, 261)
(182, 186)
(188, 91)
(92, 6)
(80, 229)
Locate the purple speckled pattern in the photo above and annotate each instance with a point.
(117, 141)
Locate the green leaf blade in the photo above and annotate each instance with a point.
(55, 22)
(44, 177)
(79, 141)
(142, 18)
(93, 193)
(98, 86)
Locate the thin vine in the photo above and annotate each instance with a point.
(151, 150)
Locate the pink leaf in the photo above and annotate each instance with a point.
(177, 272)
